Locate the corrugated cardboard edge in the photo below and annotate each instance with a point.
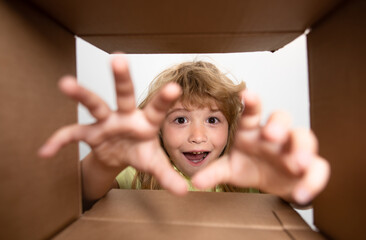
(192, 43)
(96, 229)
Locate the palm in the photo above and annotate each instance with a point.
(127, 136)
(115, 138)
(251, 170)
(273, 158)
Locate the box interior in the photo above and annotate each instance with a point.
(42, 197)
(38, 196)
(188, 26)
(337, 56)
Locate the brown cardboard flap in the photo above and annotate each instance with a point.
(305, 235)
(196, 208)
(102, 229)
(115, 25)
(141, 214)
(191, 43)
(190, 16)
(337, 72)
(38, 197)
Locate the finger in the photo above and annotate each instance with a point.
(248, 142)
(217, 172)
(274, 140)
(168, 178)
(252, 111)
(156, 109)
(96, 106)
(61, 138)
(302, 147)
(124, 85)
(314, 181)
(277, 127)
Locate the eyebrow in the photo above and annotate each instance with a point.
(187, 110)
(176, 110)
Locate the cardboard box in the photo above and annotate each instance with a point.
(41, 198)
(143, 214)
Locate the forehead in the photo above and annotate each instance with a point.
(208, 103)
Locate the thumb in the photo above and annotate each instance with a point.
(215, 173)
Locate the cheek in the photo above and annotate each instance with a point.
(170, 138)
(220, 138)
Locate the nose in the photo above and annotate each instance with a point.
(197, 134)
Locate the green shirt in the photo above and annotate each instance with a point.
(126, 177)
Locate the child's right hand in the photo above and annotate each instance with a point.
(128, 136)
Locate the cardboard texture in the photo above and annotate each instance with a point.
(38, 197)
(42, 199)
(337, 57)
(166, 26)
(195, 216)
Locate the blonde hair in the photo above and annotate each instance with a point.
(203, 84)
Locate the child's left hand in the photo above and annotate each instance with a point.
(273, 158)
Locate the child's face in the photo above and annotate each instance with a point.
(194, 137)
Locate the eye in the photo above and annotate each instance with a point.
(213, 120)
(180, 120)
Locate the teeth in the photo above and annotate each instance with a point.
(197, 152)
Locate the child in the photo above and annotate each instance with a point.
(198, 128)
(190, 126)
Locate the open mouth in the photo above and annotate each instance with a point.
(196, 158)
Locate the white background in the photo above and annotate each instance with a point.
(280, 79)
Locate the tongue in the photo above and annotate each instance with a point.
(194, 157)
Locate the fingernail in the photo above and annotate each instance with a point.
(182, 188)
(45, 150)
(42, 151)
(250, 96)
(303, 159)
(275, 131)
(302, 196)
(194, 181)
(197, 183)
